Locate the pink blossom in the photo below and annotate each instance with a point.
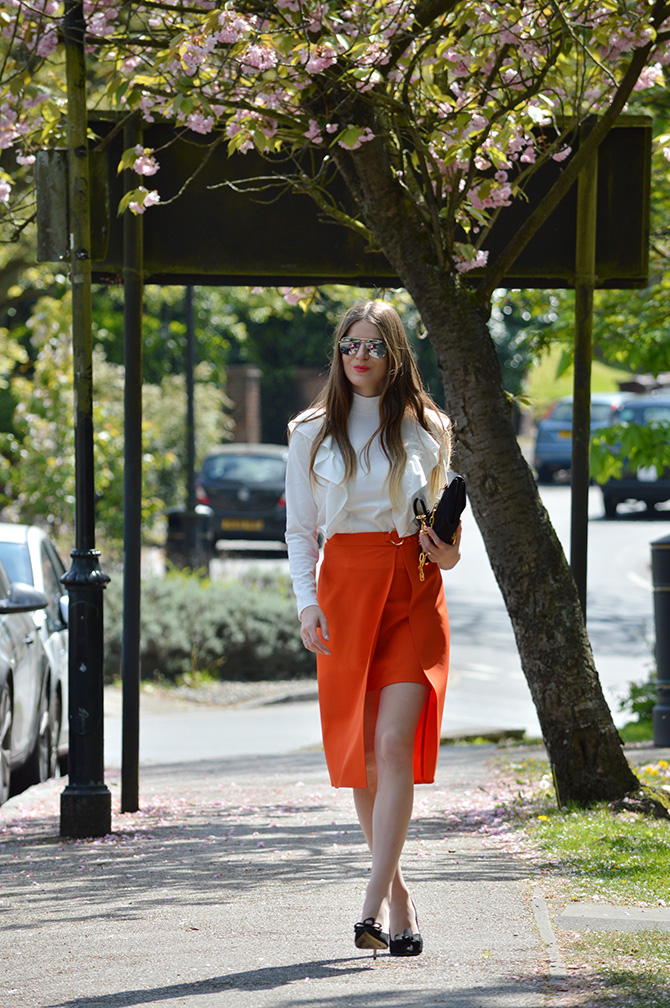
(480, 259)
(145, 164)
(5, 190)
(101, 22)
(148, 199)
(366, 135)
(561, 155)
(47, 43)
(314, 132)
(8, 134)
(259, 58)
(293, 295)
(232, 28)
(25, 159)
(147, 106)
(320, 57)
(651, 76)
(200, 123)
(130, 63)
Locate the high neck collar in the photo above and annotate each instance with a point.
(365, 404)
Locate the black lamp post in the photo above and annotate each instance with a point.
(660, 573)
(86, 804)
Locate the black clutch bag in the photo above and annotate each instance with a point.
(445, 516)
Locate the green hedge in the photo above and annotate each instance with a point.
(231, 630)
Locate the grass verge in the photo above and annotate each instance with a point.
(599, 855)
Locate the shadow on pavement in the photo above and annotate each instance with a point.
(324, 970)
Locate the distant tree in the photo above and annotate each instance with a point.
(37, 459)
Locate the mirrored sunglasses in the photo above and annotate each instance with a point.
(375, 347)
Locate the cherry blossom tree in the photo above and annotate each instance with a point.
(434, 114)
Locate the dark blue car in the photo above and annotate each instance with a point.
(648, 484)
(553, 443)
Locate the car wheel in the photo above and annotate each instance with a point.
(6, 717)
(55, 723)
(36, 769)
(610, 507)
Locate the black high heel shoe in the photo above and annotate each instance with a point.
(409, 943)
(368, 934)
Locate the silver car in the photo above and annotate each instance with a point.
(29, 557)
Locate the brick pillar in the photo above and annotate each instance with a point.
(243, 388)
(308, 383)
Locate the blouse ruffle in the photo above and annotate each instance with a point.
(329, 495)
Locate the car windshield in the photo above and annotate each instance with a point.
(656, 413)
(245, 468)
(601, 412)
(16, 561)
(562, 413)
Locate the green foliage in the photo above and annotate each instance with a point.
(37, 457)
(631, 445)
(641, 698)
(228, 630)
(543, 385)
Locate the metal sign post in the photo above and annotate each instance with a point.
(133, 290)
(585, 265)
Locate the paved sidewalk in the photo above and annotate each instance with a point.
(238, 884)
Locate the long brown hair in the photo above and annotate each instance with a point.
(402, 396)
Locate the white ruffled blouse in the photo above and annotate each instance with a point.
(328, 505)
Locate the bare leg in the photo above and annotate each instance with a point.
(385, 807)
(402, 913)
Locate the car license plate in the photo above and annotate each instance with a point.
(647, 474)
(565, 433)
(242, 524)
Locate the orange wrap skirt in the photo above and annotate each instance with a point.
(385, 625)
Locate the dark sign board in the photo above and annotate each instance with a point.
(237, 223)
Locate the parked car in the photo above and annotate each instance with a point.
(244, 485)
(553, 442)
(644, 483)
(29, 556)
(25, 697)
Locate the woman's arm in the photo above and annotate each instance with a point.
(301, 521)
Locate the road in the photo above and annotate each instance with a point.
(486, 672)
(487, 689)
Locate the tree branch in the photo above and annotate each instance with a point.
(495, 273)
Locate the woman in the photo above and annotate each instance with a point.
(358, 459)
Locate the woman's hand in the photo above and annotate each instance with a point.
(441, 553)
(312, 621)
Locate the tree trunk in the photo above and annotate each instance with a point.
(526, 557)
(525, 554)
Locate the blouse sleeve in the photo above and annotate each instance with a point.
(301, 521)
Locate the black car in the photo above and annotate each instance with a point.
(244, 484)
(25, 689)
(646, 483)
